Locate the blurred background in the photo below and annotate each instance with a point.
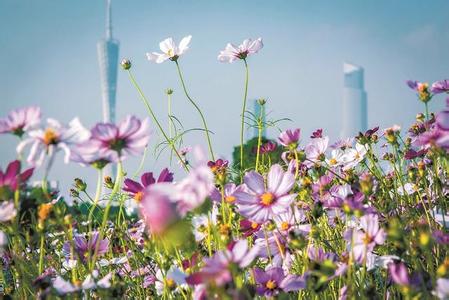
(48, 53)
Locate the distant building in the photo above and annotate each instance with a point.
(108, 50)
(354, 106)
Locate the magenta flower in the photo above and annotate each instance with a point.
(85, 247)
(20, 120)
(136, 189)
(442, 118)
(158, 207)
(441, 86)
(55, 137)
(216, 269)
(289, 138)
(129, 136)
(231, 52)
(268, 147)
(260, 204)
(272, 281)
(12, 177)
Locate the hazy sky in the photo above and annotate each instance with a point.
(48, 57)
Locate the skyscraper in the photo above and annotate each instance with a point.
(354, 106)
(108, 50)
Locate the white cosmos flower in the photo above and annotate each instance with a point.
(336, 159)
(231, 52)
(170, 50)
(55, 137)
(353, 156)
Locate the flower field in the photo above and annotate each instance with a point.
(296, 217)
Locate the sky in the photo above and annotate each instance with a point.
(48, 58)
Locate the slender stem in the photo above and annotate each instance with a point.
(147, 104)
(198, 109)
(96, 199)
(259, 138)
(41, 253)
(242, 129)
(170, 134)
(50, 161)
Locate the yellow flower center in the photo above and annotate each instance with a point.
(285, 225)
(230, 199)
(332, 161)
(170, 52)
(50, 136)
(138, 196)
(170, 283)
(254, 225)
(271, 284)
(267, 199)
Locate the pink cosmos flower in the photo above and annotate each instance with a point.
(272, 281)
(83, 247)
(217, 268)
(363, 241)
(20, 120)
(7, 211)
(55, 137)
(228, 193)
(170, 50)
(130, 136)
(231, 52)
(290, 138)
(135, 189)
(316, 149)
(441, 86)
(158, 207)
(12, 177)
(399, 273)
(260, 204)
(442, 288)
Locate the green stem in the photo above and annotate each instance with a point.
(147, 104)
(41, 254)
(242, 129)
(96, 199)
(198, 109)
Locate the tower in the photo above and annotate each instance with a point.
(108, 50)
(355, 116)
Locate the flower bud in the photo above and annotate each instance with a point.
(261, 101)
(126, 64)
(108, 182)
(74, 193)
(80, 185)
(169, 91)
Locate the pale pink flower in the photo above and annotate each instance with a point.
(170, 50)
(21, 120)
(231, 52)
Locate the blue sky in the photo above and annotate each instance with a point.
(48, 51)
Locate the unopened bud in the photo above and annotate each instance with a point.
(126, 64)
(80, 185)
(169, 91)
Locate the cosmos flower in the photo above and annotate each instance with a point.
(272, 281)
(21, 120)
(231, 52)
(170, 50)
(353, 156)
(442, 288)
(91, 153)
(158, 207)
(364, 240)
(289, 138)
(64, 287)
(173, 279)
(422, 88)
(260, 204)
(228, 194)
(316, 149)
(12, 178)
(55, 137)
(130, 136)
(441, 86)
(399, 273)
(216, 268)
(7, 211)
(135, 189)
(85, 247)
(202, 224)
(268, 147)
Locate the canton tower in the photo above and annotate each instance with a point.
(355, 115)
(108, 59)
